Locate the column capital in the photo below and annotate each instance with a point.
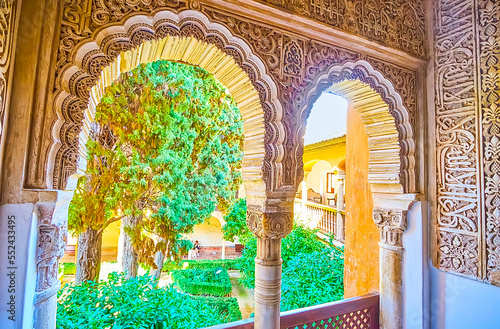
(392, 224)
(272, 225)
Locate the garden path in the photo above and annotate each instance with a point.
(243, 295)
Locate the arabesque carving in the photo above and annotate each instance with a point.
(466, 241)
(8, 9)
(50, 248)
(392, 224)
(489, 60)
(274, 225)
(397, 24)
(292, 61)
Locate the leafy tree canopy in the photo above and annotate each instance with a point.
(166, 148)
(236, 224)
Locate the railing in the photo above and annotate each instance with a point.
(325, 218)
(353, 313)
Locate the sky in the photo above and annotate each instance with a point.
(327, 119)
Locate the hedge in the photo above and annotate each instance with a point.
(203, 281)
(135, 303)
(228, 264)
(226, 306)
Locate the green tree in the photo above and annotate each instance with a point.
(236, 224)
(175, 153)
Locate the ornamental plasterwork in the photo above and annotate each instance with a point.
(8, 10)
(292, 61)
(270, 225)
(392, 224)
(398, 24)
(467, 80)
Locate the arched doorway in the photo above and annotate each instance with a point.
(391, 165)
(190, 38)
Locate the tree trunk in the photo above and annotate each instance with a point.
(129, 260)
(159, 259)
(88, 263)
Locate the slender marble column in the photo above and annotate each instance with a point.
(269, 228)
(392, 224)
(268, 283)
(340, 206)
(52, 231)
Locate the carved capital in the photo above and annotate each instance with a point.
(274, 225)
(392, 224)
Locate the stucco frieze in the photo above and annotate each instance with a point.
(292, 61)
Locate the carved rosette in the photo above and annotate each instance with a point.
(270, 225)
(392, 224)
(52, 238)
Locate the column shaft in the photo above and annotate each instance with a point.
(391, 282)
(268, 284)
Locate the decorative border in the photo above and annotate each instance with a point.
(466, 237)
(397, 24)
(8, 17)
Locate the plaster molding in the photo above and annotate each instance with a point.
(466, 238)
(392, 224)
(291, 61)
(272, 225)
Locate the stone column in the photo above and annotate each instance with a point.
(304, 200)
(392, 224)
(51, 244)
(52, 237)
(339, 235)
(269, 229)
(223, 256)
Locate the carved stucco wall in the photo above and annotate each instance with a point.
(293, 61)
(8, 14)
(398, 24)
(467, 96)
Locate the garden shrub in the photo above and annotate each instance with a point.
(226, 306)
(313, 269)
(312, 279)
(301, 240)
(131, 304)
(211, 282)
(228, 264)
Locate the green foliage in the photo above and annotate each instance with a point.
(227, 306)
(211, 282)
(301, 240)
(67, 268)
(312, 270)
(312, 279)
(228, 264)
(131, 304)
(166, 149)
(236, 224)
